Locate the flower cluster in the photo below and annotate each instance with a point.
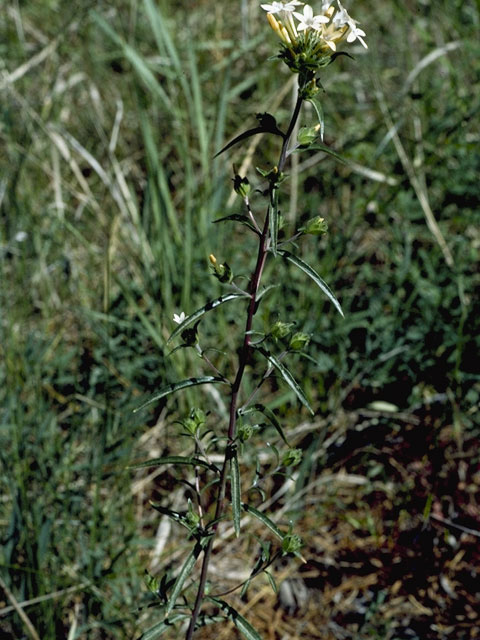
(309, 41)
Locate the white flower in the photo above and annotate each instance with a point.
(356, 34)
(326, 4)
(277, 7)
(21, 236)
(341, 18)
(329, 40)
(308, 20)
(179, 318)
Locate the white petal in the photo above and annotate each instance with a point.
(308, 12)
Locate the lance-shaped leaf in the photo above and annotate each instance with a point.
(185, 571)
(287, 376)
(212, 304)
(189, 461)
(236, 489)
(237, 217)
(273, 214)
(318, 146)
(238, 620)
(160, 628)
(306, 268)
(268, 413)
(177, 386)
(321, 119)
(267, 124)
(264, 520)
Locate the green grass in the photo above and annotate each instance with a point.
(107, 167)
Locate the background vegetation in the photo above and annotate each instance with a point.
(110, 116)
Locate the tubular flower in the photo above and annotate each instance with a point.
(278, 7)
(309, 41)
(308, 20)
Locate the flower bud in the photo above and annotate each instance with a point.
(291, 543)
(281, 329)
(241, 186)
(307, 135)
(315, 226)
(152, 583)
(222, 272)
(292, 457)
(246, 431)
(299, 340)
(195, 420)
(192, 518)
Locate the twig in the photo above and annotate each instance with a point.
(25, 619)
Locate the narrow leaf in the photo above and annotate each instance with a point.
(182, 576)
(176, 386)
(265, 290)
(273, 213)
(306, 268)
(318, 146)
(238, 620)
(287, 376)
(237, 217)
(236, 489)
(268, 413)
(159, 629)
(264, 520)
(321, 119)
(272, 582)
(156, 462)
(212, 304)
(267, 124)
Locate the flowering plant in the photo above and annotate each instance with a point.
(311, 43)
(308, 43)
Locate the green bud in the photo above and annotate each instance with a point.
(246, 431)
(281, 329)
(191, 517)
(310, 89)
(190, 425)
(221, 271)
(307, 135)
(241, 186)
(292, 457)
(195, 420)
(315, 226)
(273, 175)
(152, 583)
(299, 340)
(291, 543)
(199, 416)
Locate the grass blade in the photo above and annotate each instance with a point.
(177, 386)
(287, 376)
(306, 268)
(137, 62)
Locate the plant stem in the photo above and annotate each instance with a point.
(242, 363)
